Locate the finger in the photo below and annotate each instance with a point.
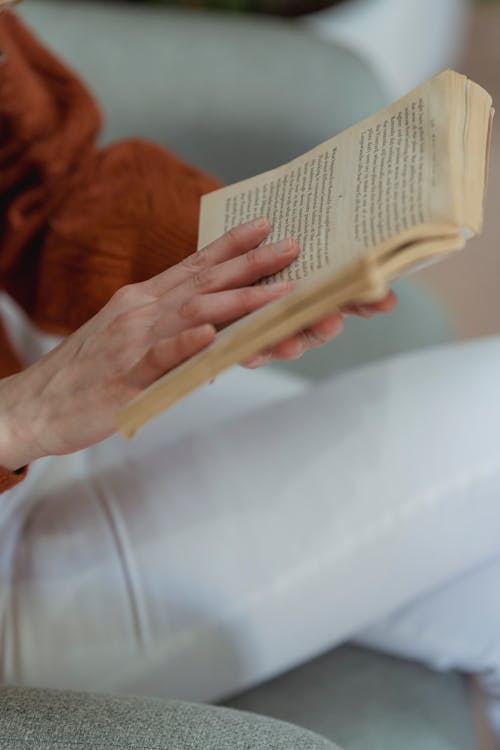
(258, 360)
(291, 348)
(245, 270)
(239, 240)
(225, 307)
(313, 337)
(326, 329)
(295, 346)
(167, 353)
(385, 305)
(235, 273)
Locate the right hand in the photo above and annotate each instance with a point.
(68, 400)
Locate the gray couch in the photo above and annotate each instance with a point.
(237, 96)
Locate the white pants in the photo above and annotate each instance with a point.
(260, 522)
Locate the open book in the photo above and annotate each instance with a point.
(387, 195)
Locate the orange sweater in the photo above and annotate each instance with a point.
(77, 222)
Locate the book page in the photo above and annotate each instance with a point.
(375, 182)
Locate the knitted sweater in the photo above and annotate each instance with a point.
(77, 221)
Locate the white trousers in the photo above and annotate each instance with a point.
(261, 522)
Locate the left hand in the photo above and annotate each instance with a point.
(320, 333)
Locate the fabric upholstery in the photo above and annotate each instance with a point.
(53, 720)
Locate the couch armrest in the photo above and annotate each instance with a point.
(234, 94)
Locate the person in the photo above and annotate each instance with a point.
(257, 523)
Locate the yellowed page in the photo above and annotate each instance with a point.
(474, 143)
(373, 183)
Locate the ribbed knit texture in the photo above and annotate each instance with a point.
(78, 222)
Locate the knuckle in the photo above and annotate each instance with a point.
(256, 258)
(313, 339)
(191, 309)
(197, 261)
(126, 295)
(204, 279)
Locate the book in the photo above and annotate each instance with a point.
(395, 191)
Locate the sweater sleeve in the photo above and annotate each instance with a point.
(79, 221)
(9, 479)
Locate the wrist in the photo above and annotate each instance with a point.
(14, 454)
(17, 449)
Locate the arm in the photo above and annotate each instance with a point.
(79, 224)
(68, 400)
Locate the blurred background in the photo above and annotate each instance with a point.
(469, 282)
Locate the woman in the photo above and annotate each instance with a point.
(255, 524)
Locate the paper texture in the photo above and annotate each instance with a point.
(376, 181)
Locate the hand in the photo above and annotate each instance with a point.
(69, 399)
(320, 333)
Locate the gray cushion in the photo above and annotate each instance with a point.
(56, 720)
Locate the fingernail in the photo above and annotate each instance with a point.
(260, 223)
(284, 247)
(338, 327)
(316, 338)
(261, 359)
(365, 310)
